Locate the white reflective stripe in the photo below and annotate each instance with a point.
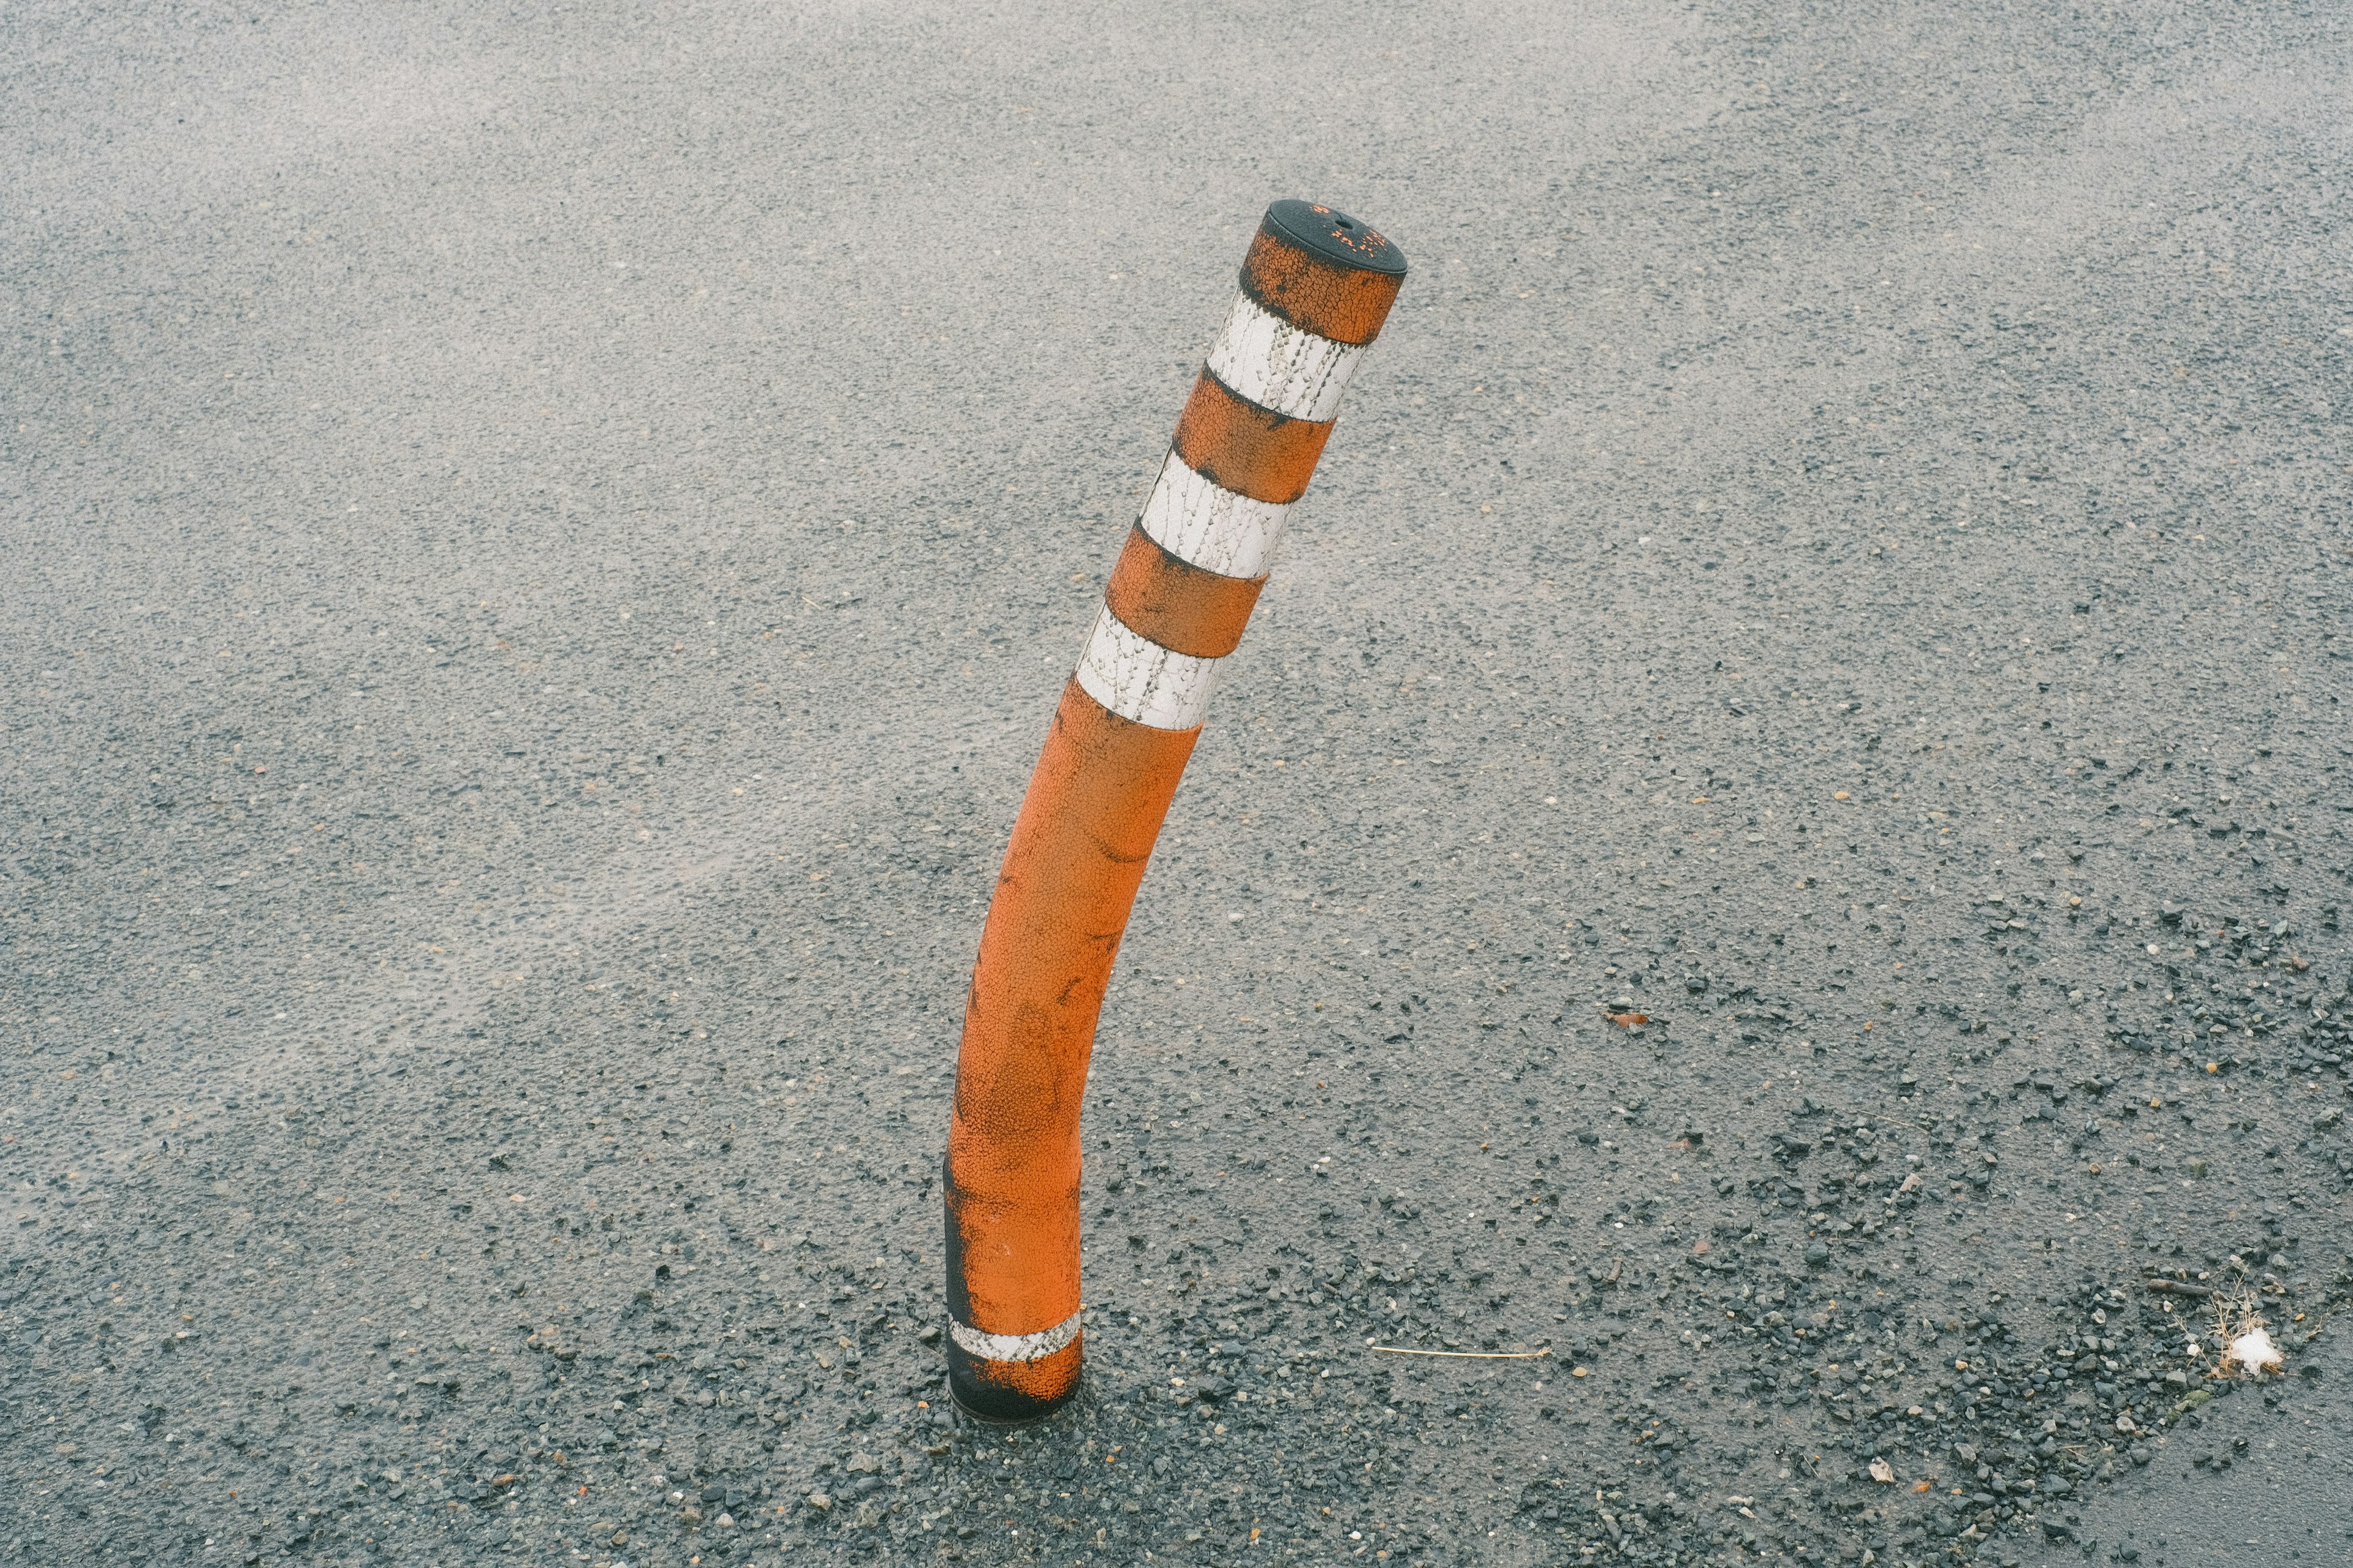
(1277, 365)
(1208, 526)
(1015, 1347)
(1137, 679)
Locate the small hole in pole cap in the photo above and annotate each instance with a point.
(1333, 236)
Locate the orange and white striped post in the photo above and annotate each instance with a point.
(1315, 288)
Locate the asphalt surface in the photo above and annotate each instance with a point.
(539, 547)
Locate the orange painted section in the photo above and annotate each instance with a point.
(1078, 853)
(1177, 605)
(1318, 296)
(1249, 450)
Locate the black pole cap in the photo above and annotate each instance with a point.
(1333, 235)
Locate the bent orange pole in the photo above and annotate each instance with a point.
(1315, 288)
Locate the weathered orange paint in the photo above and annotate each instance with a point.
(1317, 295)
(1079, 849)
(1177, 605)
(1252, 451)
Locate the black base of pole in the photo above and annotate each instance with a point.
(983, 1398)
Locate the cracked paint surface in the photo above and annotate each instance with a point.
(1200, 522)
(1279, 366)
(1136, 678)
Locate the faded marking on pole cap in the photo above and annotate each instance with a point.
(1333, 235)
(1015, 1347)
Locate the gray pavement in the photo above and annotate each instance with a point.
(539, 546)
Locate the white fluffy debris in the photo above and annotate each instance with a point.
(2240, 1340)
(2255, 1351)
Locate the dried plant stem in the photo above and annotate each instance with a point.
(1464, 1355)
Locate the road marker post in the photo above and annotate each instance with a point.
(1315, 287)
